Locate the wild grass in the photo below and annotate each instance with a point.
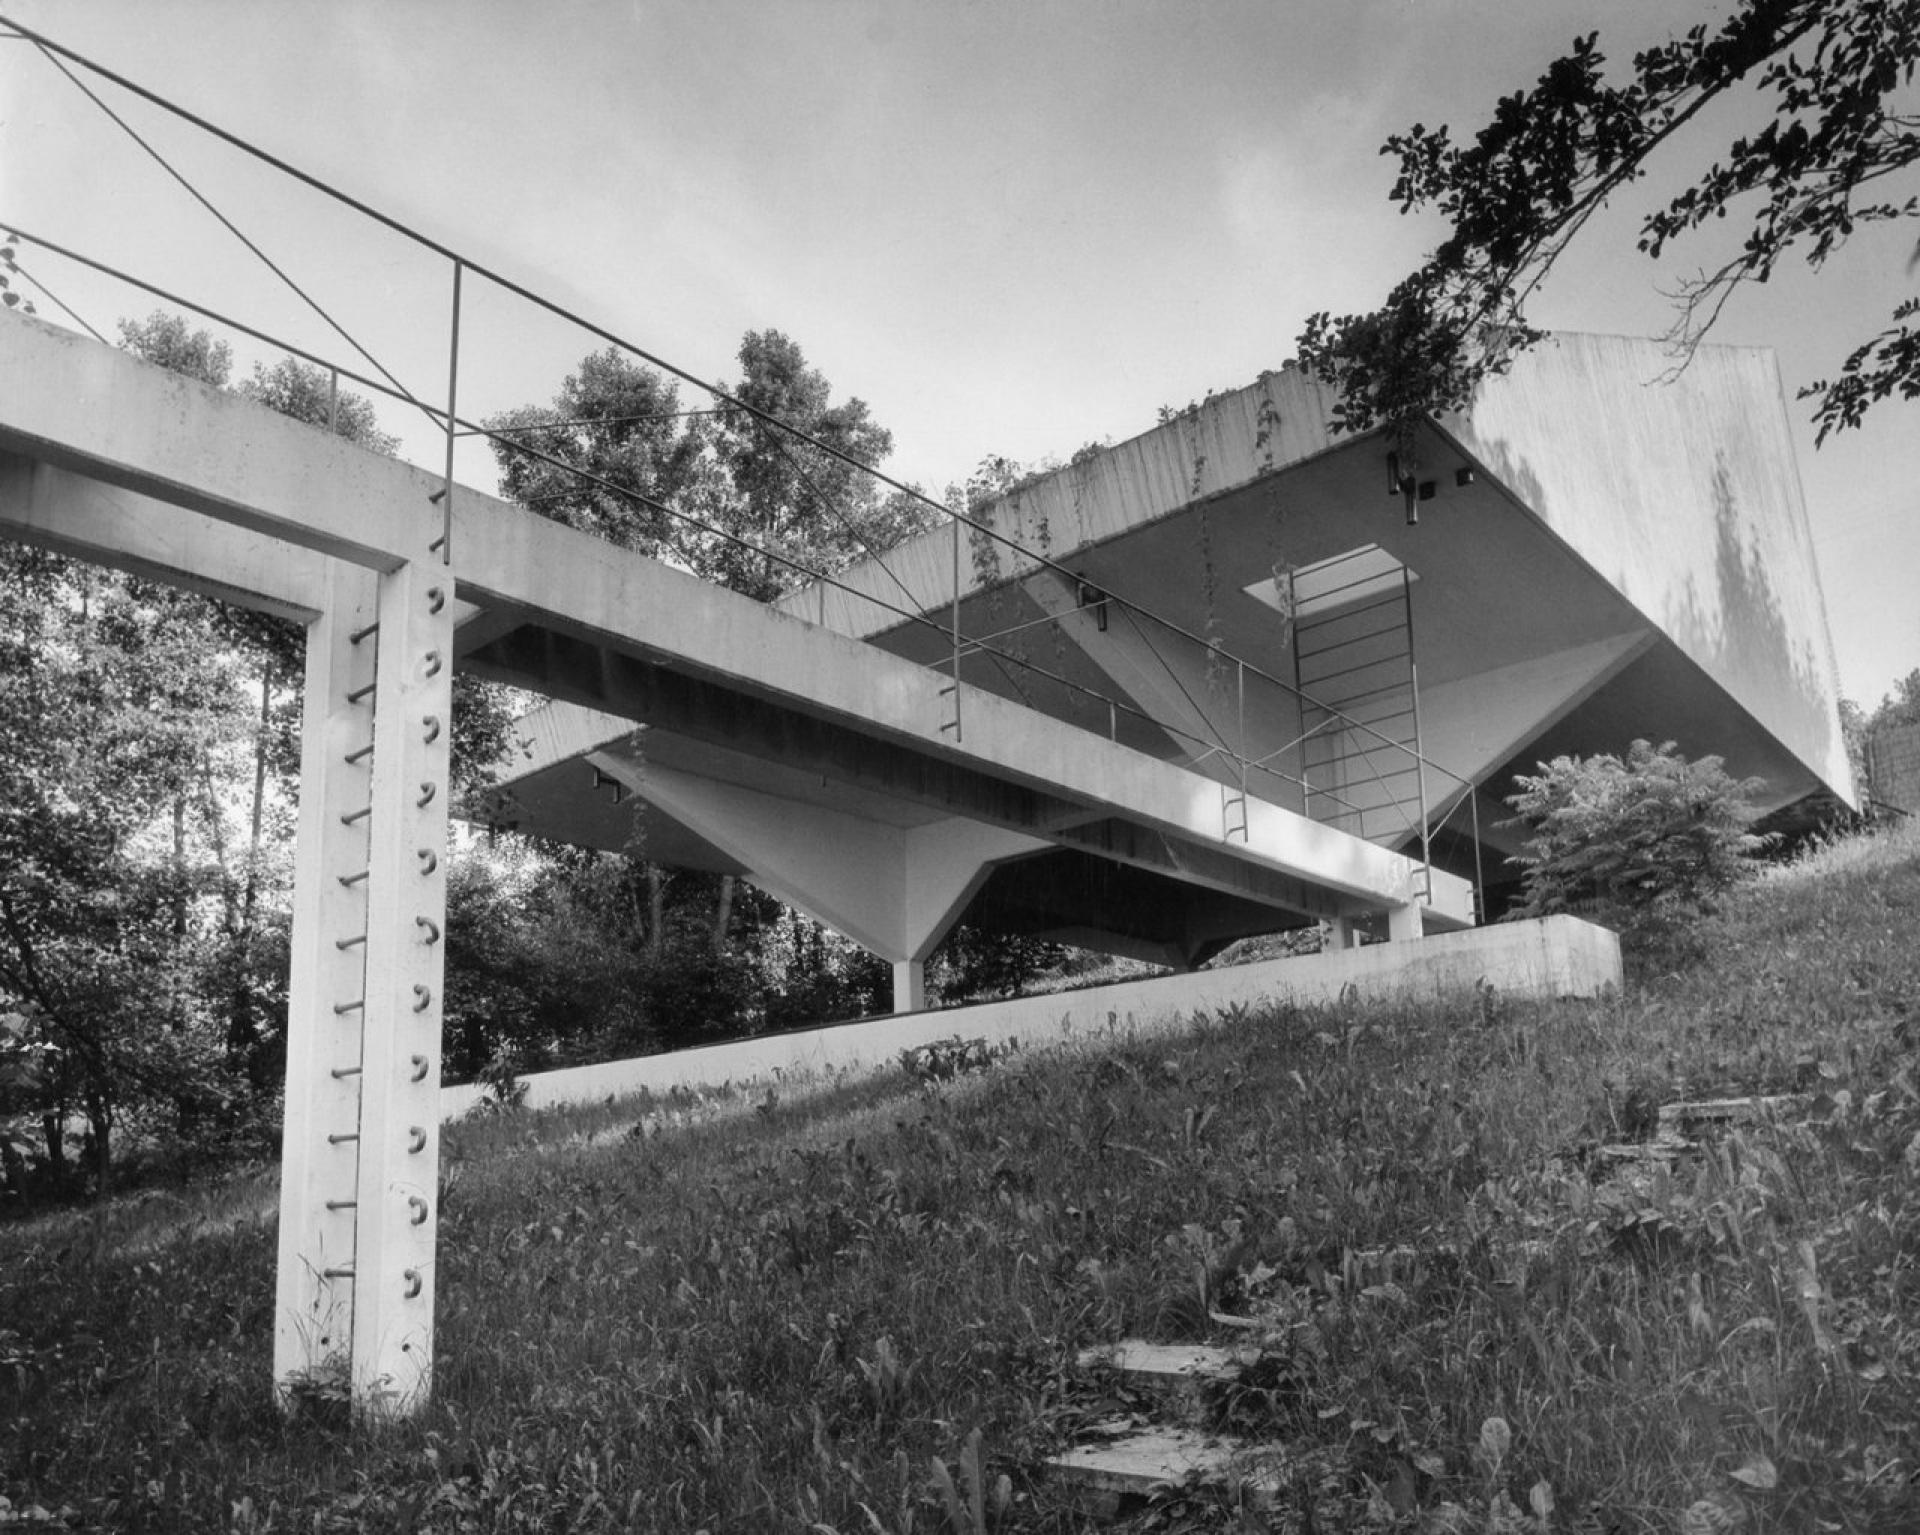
(784, 1319)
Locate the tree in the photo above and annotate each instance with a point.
(1638, 845)
(786, 497)
(1825, 141)
(719, 492)
(726, 495)
(114, 711)
(310, 394)
(167, 340)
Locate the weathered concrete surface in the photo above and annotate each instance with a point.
(1552, 957)
(1688, 502)
(1167, 1366)
(1602, 514)
(1140, 1462)
(581, 620)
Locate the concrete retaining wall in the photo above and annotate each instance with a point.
(1552, 957)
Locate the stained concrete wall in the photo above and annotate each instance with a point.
(1683, 493)
(1551, 957)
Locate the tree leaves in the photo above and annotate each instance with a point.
(1523, 189)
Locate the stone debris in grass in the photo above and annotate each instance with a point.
(1161, 1456)
(1733, 1111)
(1667, 1146)
(1167, 1365)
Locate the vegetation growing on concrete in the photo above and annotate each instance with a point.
(785, 1318)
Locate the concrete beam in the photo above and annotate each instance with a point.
(619, 622)
(87, 519)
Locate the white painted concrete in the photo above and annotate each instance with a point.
(1688, 500)
(88, 519)
(90, 407)
(1552, 957)
(313, 1301)
(396, 1216)
(895, 890)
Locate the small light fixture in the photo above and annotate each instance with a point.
(1404, 486)
(1463, 476)
(1090, 596)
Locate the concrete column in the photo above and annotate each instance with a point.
(1404, 922)
(313, 1302)
(1342, 934)
(393, 1283)
(909, 985)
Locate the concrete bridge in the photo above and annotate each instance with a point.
(864, 786)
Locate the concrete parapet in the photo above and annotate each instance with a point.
(1547, 958)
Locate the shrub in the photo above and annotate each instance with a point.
(1634, 844)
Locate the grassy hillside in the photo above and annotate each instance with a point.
(780, 1319)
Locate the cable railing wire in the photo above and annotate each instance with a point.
(1036, 559)
(233, 229)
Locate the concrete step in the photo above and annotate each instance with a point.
(1733, 1111)
(1134, 1465)
(1167, 1366)
(1668, 1145)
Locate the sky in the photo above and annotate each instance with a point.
(1011, 228)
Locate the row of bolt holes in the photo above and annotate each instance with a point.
(423, 996)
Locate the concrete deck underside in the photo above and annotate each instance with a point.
(1625, 558)
(825, 766)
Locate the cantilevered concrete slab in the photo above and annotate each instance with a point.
(1597, 556)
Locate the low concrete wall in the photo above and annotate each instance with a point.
(1552, 957)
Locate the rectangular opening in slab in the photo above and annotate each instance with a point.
(1330, 585)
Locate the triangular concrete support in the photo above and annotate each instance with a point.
(893, 889)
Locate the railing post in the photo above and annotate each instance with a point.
(1479, 876)
(453, 400)
(1419, 742)
(966, 501)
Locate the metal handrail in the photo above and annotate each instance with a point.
(960, 645)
